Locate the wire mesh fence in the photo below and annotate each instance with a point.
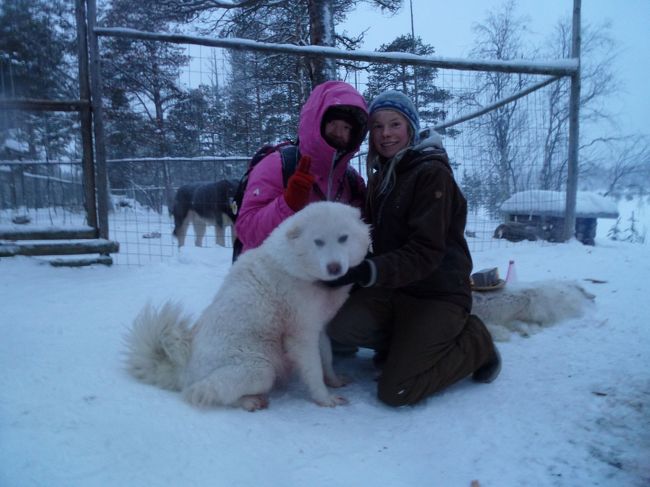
(518, 146)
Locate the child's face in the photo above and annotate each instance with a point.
(389, 132)
(338, 134)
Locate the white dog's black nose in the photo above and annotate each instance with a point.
(334, 268)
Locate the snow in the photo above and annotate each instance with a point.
(15, 145)
(570, 408)
(538, 201)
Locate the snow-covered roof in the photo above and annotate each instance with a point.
(552, 203)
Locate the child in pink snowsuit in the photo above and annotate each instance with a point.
(333, 123)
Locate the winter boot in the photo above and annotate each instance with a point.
(489, 371)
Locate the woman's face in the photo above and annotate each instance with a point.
(389, 132)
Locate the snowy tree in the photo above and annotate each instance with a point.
(499, 37)
(598, 84)
(614, 232)
(36, 39)
(417, 82)
(632, 233)
(619, 163)
(37, 62)
(145, 74)
(187, 121)
(266, 92)
(302, 22)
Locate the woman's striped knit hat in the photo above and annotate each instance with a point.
(399, 102)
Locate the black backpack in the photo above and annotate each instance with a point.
(289, 155)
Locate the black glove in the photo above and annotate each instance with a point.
(360, 274)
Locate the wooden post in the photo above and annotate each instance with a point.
(574, 130)
(85, 116)
(56, 247)
(98, 121)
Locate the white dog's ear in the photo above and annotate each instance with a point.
(294, 232)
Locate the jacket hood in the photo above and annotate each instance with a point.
(429, 138)
(310, 140)
(430, 146)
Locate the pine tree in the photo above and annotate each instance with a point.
(37, 62)
(417, 82)
(143, 74)
(614, 233)
(631, 233)
(473, 190)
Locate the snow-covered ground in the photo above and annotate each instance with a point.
(570, 408)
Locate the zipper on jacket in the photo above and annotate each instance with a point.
(330, 177)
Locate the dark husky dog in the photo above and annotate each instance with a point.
(204, 204)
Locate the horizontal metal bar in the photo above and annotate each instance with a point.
(497, 104)
(562, 67)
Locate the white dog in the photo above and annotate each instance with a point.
(526, 307)
(267, 318)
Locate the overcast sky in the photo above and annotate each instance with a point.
(448, 27)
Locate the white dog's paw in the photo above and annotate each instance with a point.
(332, 401)
(200, 395)
(254, 403)
(337, 380)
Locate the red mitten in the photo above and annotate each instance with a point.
(299, 185)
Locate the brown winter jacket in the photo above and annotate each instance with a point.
(418, 230)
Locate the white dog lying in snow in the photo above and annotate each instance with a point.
(267, 317)
(520, 305)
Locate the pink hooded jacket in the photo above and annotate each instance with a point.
(263, 207)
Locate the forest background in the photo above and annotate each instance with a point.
(245, 99)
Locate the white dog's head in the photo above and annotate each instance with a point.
(323, 240)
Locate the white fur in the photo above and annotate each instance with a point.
(525, 307)
(267, 318)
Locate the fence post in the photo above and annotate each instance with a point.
(574, 129)
(85, 117)
(98, 121)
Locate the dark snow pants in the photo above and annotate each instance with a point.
(430, 344)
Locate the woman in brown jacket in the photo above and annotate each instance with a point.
(414, 301)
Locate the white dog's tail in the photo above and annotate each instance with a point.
(159, 345)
